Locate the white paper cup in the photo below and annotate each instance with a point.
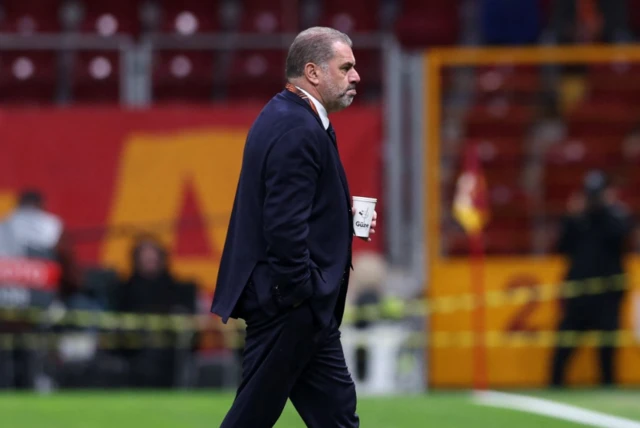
(363, 216)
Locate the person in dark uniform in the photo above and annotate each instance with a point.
(287, 256)
(152, 288)
(593, 238)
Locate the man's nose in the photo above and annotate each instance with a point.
(354, 77)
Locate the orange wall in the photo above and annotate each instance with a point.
(512, 366)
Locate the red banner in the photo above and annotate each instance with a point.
(36, 274)
(110, 173)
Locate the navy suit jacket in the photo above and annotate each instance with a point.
(290, 232)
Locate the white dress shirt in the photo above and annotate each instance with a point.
(322, 112)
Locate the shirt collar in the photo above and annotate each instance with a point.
(322, 112)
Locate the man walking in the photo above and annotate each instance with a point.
(286, 261)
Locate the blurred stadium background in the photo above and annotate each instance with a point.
(127, 118)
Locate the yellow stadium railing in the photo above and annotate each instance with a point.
(394, 309)
(129, 330)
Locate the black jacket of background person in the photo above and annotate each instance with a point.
(290, 230)
(595, 242)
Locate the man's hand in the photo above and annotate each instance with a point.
(372, 230)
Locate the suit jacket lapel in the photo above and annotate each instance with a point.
(341, 172)
(291, 94)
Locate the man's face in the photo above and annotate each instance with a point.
(150, 261)
(337, 81)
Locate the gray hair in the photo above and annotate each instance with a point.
(314, 45)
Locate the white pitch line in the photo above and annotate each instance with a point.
(552, 409)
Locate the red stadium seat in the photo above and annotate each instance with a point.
(602, 120)
(30, 16)
(256, 75)
(509, 77)
(496, 152)
(258, 16)
(188, 75)
(183, 76)
(498, 118)
(110, 17)
(28, 77)
(614, 83)
(559, 183)
(506, 196)
(428, 23)
(355, 16)
(190, 16)
(509, 237)
(96, 77)
(589, 152)
(520, 83)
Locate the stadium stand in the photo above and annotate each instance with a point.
(198, 75)
(500, 115)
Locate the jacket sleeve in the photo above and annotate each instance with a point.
(291, 174)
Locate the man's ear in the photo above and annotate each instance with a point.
(311, 72)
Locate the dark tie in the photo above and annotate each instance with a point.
(332, 134)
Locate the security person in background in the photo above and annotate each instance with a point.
(592, 237)
(29, 232)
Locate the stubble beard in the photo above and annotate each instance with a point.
(340, 99)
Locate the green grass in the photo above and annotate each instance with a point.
(93, 409)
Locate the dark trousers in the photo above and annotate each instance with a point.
(583, 314)
(289, 356)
